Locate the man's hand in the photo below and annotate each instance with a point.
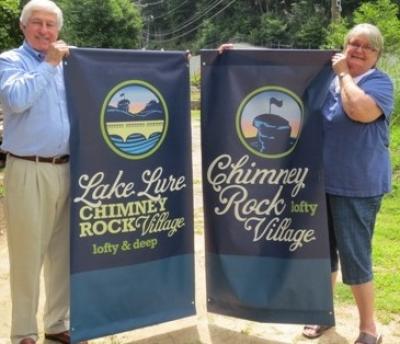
(224, 47)
(56, 52)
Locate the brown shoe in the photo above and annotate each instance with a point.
(62, 337)
(27, 341)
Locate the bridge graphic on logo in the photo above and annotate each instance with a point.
(134, 119)
(126, 129)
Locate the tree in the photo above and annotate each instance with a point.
(169, 24)
(271, 32)
(383, 14)
(336, 9)
(335, 33)
(10, 34)
(290, 23)
(306, 21)
(101, 24)
(230, 21)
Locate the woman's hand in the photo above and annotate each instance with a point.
(339, 63)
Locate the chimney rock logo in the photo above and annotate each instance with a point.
(269, 121)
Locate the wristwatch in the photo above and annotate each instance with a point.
(342, 75)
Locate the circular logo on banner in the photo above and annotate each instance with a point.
(269, 121)
(134, 119)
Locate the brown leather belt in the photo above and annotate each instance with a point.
(55, 160)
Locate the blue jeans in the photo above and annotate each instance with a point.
(351, 222)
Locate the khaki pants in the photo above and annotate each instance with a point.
(37, 213)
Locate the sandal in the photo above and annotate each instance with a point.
(315, 331)
(366, 338)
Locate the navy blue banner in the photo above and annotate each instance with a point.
(132, 254)
(267, 252)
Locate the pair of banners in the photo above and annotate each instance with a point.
(132, 228)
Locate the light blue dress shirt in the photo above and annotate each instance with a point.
(32, 95)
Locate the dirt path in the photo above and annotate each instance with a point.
(205, 328)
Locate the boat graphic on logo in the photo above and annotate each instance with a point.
(269, 122)
(134, 119)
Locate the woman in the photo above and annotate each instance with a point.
(357, 166)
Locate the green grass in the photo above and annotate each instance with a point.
(195, 95)
(395, 150)
(196, 115)
(387, 241)
(390, 64)
(387, 255)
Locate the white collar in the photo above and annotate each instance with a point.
(357, 79)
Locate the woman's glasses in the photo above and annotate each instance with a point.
(363, 47)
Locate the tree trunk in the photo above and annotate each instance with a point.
(336, 9)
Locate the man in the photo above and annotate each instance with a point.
(36, 135)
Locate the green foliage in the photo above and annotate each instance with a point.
(195, 115)
(335, 34)
(187, 24)
(196, 80)
(101, 24)
(296, 24)
(342, 294)
(206, 37)
(10, 35)
(272, 29)
(164, 20)
(234, 24)
(383, 14)
(22, 3)
(395, 150)
(306, 21)
(386, 255)
(390, 64)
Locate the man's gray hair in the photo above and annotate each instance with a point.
(41, 5)
(375, 37)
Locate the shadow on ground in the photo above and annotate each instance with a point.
(212, 334)
(216, 335)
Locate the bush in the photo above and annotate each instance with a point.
(382, 13)
(390, 63)
(10, 35)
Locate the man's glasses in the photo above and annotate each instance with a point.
(363, 47)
